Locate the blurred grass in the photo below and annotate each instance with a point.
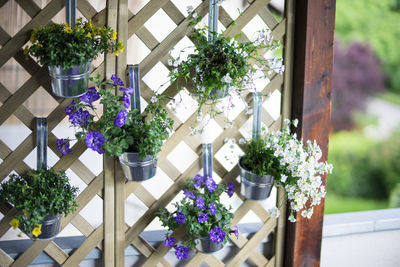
(340, 204)
(391, 97)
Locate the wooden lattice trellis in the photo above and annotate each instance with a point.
(113, 235)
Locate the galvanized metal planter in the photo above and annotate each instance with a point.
(206, 246)
(50, 228)
(218, 93)
(137, 170)
(69, 83)
(253, 186)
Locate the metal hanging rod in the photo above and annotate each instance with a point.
(212, 19)
(258, 100)
(207, 160)
(134, 82)
(70, 12)
(41, 142)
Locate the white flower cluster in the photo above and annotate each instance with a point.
(301, 169)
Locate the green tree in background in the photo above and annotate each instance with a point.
(376, 23)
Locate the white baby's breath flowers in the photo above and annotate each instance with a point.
(273, 212)
(153, 99)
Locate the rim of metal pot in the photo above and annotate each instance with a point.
(56, 218)
(258, 183)
(70, 76)
(138, 163)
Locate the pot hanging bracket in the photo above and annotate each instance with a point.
(70, 12)
(41, 142)
(212, 19)
(134, 82)
(258, 100)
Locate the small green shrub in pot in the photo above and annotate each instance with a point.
(294, 166)
(36, 195)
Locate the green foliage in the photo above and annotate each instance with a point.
(377, 23)
(394, 201)
(194, 229)
(335, 203)
(225, 65)
(60, 45)
(37, 194)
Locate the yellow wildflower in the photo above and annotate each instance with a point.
(26, 50)
(25, 212)
(114, 35)
(68, 30)
(90, 24)
(37, 230)
(40, 45)
(117, 53)
(88, 35)
(14, 223)
(33, 36)
(66, 24)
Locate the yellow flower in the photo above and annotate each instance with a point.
(25, 212)
(33, 36)
(14, 223)
(40, 45)
(114, 35)
(66, 24)
(37, 230)
(68, 30)
(88, 35)
(26, 50)
(117, 53)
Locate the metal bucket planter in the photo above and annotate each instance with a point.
(218, 93)
(137, 170)
(69, 83)
(50, 228)
(253, 186)
(206, 246)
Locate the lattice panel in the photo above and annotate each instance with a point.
(123, 235)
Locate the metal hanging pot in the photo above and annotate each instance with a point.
(253, 186)
(71, 82)
(206, 246)
(219, 93)
(137, 170)
(50, 228)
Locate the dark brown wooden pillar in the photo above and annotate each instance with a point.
(311, 101)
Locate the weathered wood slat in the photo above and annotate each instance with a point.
(56, 253)
(5, 260)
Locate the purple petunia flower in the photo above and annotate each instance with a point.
(63, 146)
(120, 119)
(198, 179)
(200, 203)
(231, 189)
(212, 208)
(202, 217)
(217, 235)
(236, 232)
(180, 218)
(181, 252)
(70, 108)
(210, 184)
(94, 141)
(116, 80)
(128, 90)
(188, 194)
(169, 242)
(126, 100)
(80, 117)
(90, 96)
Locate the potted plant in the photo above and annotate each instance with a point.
(222, 68)
(41, 197)
(207, 221)
(69, 51)
(136, 138)
(279, 157)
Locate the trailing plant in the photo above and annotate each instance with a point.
(37, 194)
(202, 213)
(224, 67)
(62, 45)
(295, 166)
(119, 129)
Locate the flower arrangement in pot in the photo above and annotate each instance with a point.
(69, 51)
(222, 68)
(279, 157)
(41, 197)
(136, 138)
(206, 220)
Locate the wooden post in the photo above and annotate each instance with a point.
(312, 82)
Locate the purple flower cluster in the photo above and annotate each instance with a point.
(202, 217)
(117, 81)
(236, 232)
(212, 208)
(200, 203)
(63, 146)
(210, 184)
(231, 189)
(126, 100)
(198, 179)
(188, 194)
(180, 218)
(90, 96)
(80, 117)
(94, 141)
(70, 108)
(120, 119)
(217, 235)
(169, 242)
(181, 252)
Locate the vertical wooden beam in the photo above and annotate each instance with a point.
(312, 82)
(109, 189)
(119, 178)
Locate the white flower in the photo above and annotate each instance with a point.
(295, 122)
(228, 125)
(170, 62)
(274, 212)
(286, 121)
(249, 111)
(199, 116)
(242, 141)
(153, 99)
(292, 218)
(227, 78)
(189, 9)
(283, 178)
